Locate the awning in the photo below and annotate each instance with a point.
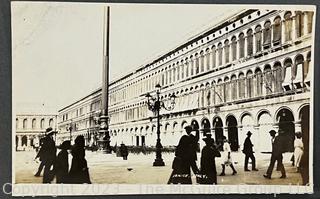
(298, 81)
(287, 83)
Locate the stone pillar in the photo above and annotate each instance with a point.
(283, 31)
(254, 49)
(294, 32)
(223, 55)
(19, 143)
(271, 38)
(238, 50)
(245, 46)
(297, 126)
(305, 23)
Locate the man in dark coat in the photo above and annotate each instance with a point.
(208, 164)
(248, 151)
(278, 144)
(61, 166)
(49, 155)
(40, 156)
(186, 156)
(124, 151)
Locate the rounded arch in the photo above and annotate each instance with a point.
(260, 112)
(285, 118)
(232, 125)
(245, 113)
(195, 124)
(217, 126)
(205, 126)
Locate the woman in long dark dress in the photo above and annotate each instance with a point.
(79, 172)
(208, 164)
(61, 166)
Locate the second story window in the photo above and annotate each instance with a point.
(234, 48)
(33, 123)
(267, 35)
(288, 26)
(258, 36)
(220, 54)
(299, 23)
(241, 45)
(24, 124)
(226, 51)
(249, 43)
(277, 31)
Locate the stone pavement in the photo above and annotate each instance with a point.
(138, 169)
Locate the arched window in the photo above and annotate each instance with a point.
(187, 67)
(288, 26)
(17, 123)
(234, 48)
(249, 42)
(33, 123)
(226, 51)
(182, 69)
(174, 73)
(277, 74)
(258, 36)
(201, 61)
(268, 79)
(42, 123)
(226, 89)
(213, 56)
(219, 90)
(277, 31)
(51, 123)
(297, 66)
(241, 82)
(24, 123)
(267, 35)
(191, 65)
(207, 59)
(166, 76)
(234, 91)
(310, 18)
(299, 23)
(241, 45)
(170, 75)
(220, 54)
(249, 84)
(259, 81)
(197, 63)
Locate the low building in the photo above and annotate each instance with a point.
(30, 128)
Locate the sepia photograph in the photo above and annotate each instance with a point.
(161, 98)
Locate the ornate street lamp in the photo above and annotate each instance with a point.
(155, 105)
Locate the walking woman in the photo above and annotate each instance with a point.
(298, 150)
(79, 172)
(208, 164)
(61, 166)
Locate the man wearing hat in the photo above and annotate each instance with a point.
(277, 150)
(49, 154)
(248, 151)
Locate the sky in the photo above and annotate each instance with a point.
(57, 48)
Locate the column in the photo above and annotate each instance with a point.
(223, 55)
(245, 46)
(271, 38)
(283, 31)
(254, 47)
(294, 32)
(19, 143)
(305, 23)
(238, 49)
(297, 126)
(28, 141)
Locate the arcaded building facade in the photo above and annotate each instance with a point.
(30, 128)
(252, 72)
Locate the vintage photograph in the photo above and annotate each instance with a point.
(162, 94)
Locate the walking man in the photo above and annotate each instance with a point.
(248, 151)
(49, 155)
(278, 143)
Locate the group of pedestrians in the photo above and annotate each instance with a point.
(186, 157)
(58, 165)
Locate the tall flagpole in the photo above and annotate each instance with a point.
(104, 140)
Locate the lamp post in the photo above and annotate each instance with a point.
(155, 105)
